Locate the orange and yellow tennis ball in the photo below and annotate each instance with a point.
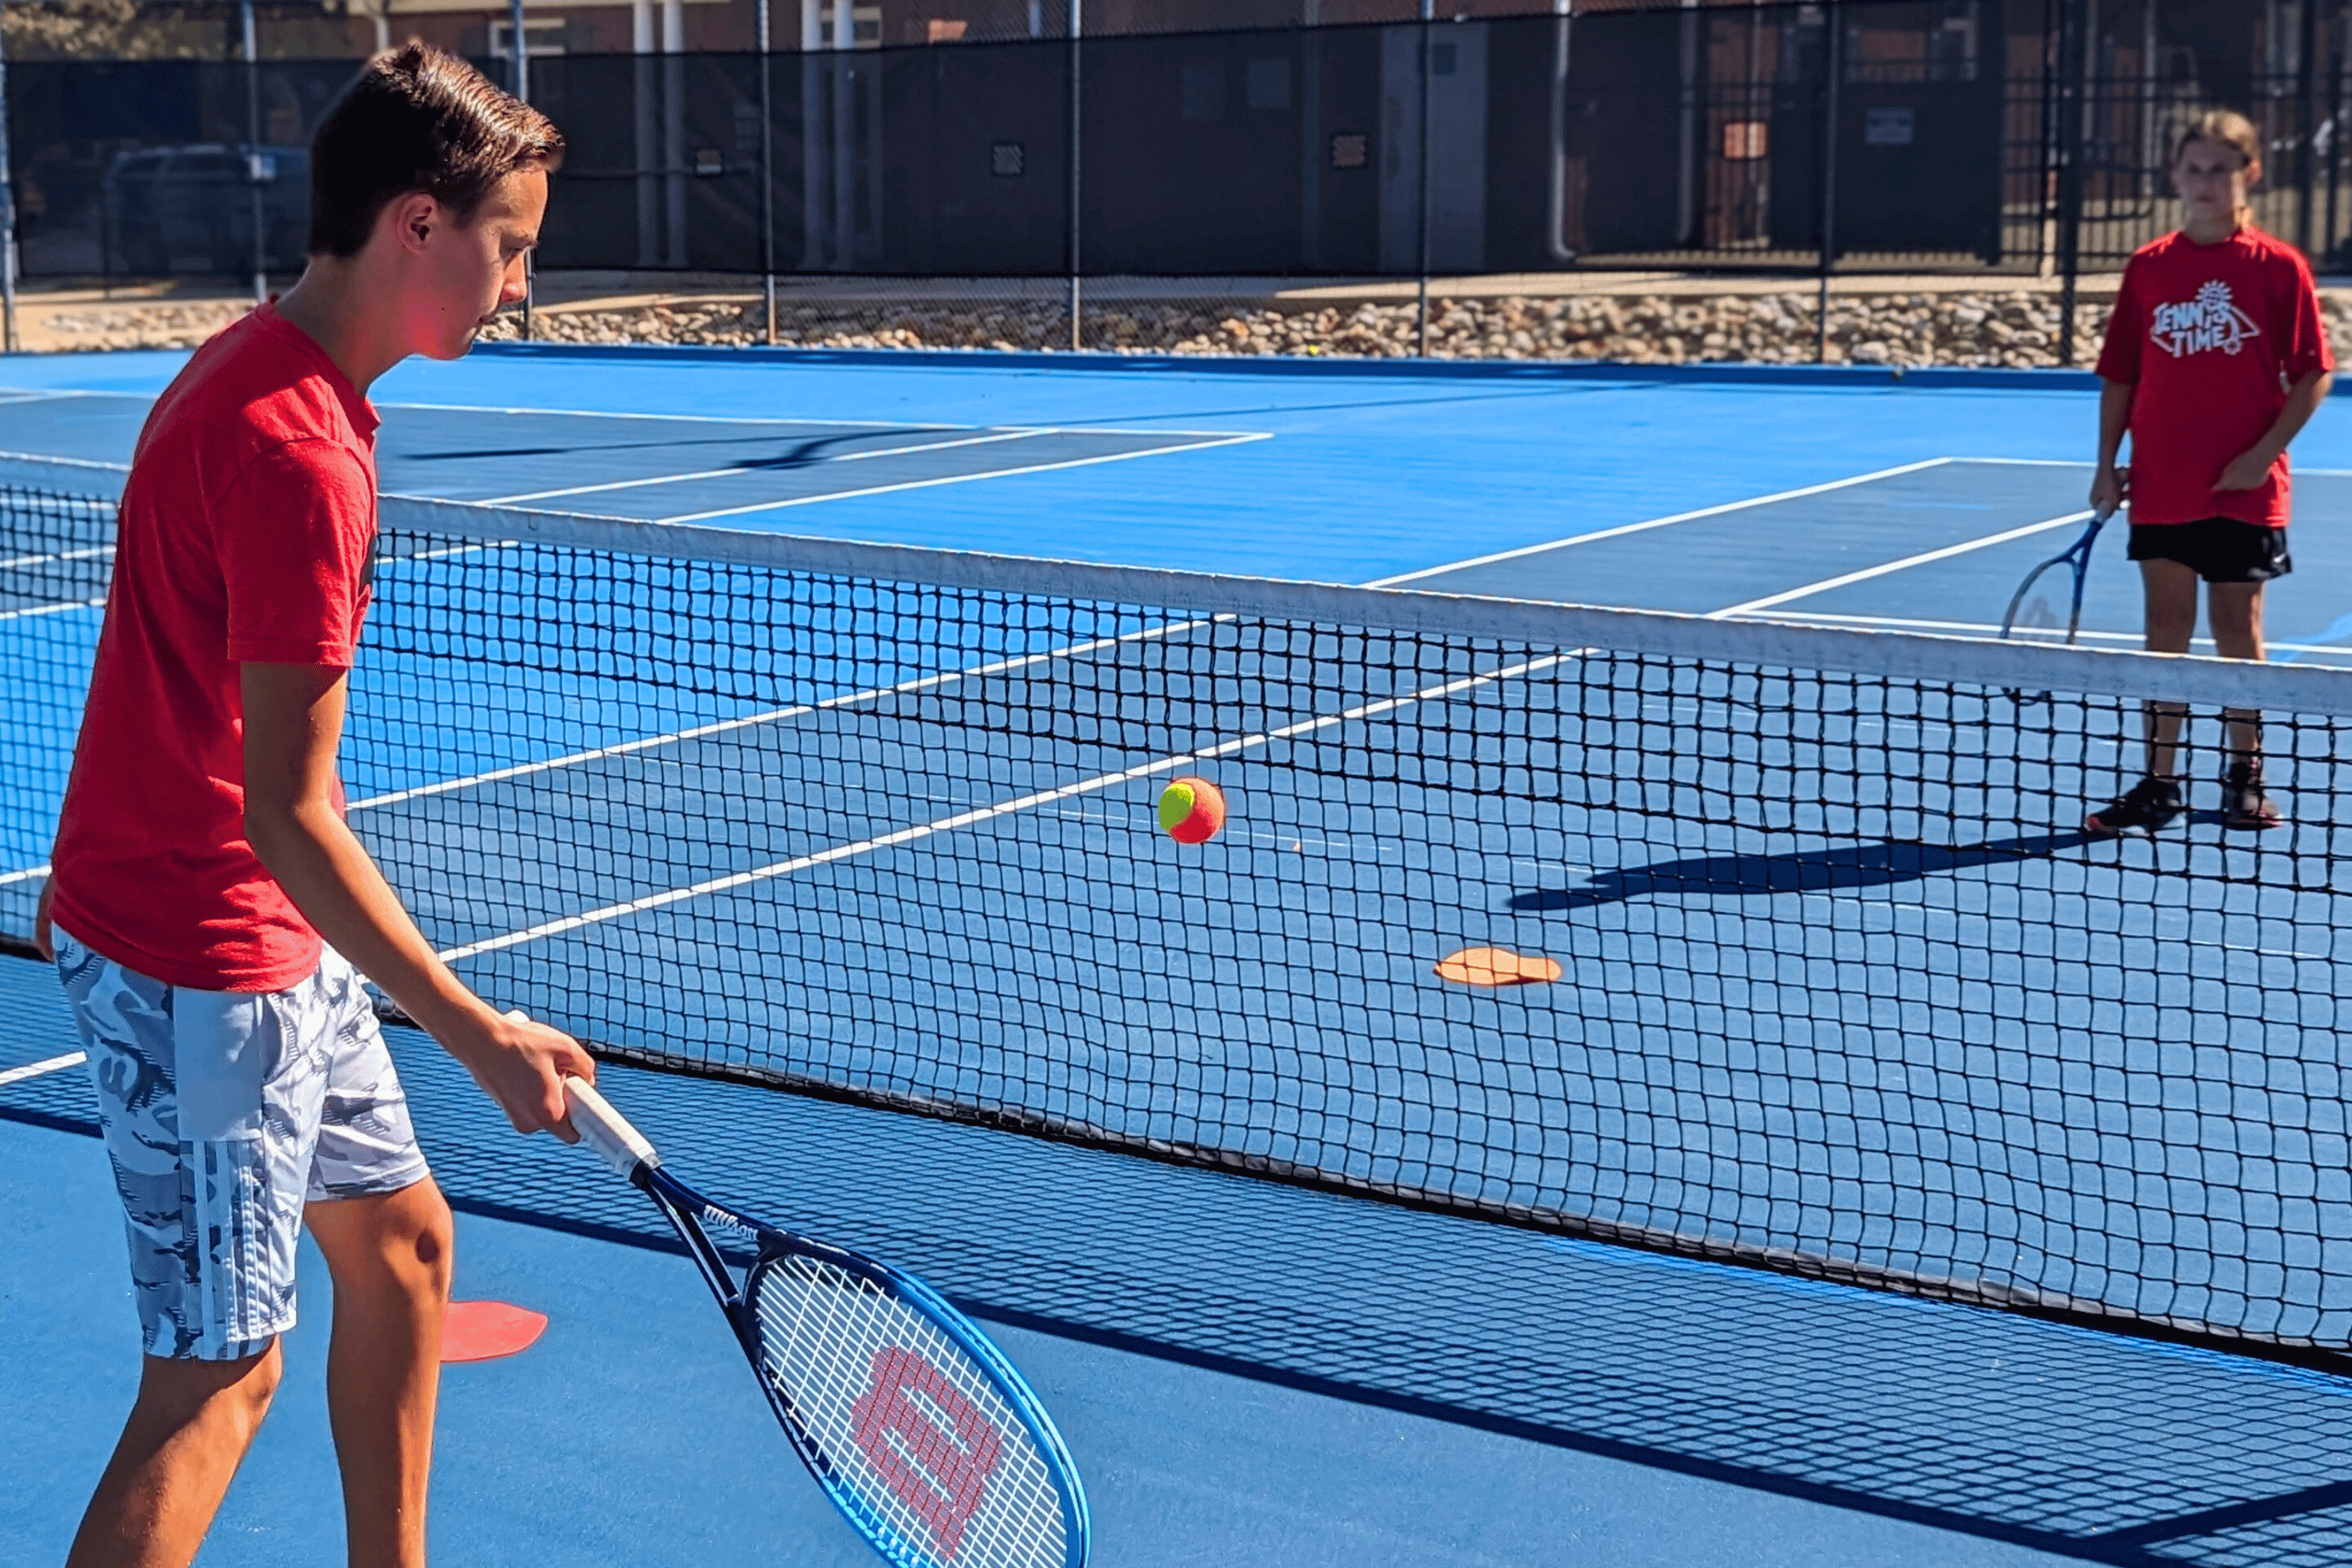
(1191, 810)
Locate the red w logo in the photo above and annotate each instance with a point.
(935, 1446)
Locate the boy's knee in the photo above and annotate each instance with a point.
(434, 1245)
(417, 1240)
(400, 1242)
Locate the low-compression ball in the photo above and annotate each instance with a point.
(1191, 810)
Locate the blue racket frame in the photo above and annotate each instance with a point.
(2077, 556)
(686, 1210)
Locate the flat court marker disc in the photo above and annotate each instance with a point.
(1496, 966)
(483, 1331)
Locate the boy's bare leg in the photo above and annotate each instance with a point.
(2236, 609)
(189, 1431)
(2169, 592)
(390, 1256)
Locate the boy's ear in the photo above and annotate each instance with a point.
(410, 219)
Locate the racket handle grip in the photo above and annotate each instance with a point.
(604, 1130)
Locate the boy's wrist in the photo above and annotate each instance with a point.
(454, 1016)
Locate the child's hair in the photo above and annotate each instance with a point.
(417, 120)
(2225, 127)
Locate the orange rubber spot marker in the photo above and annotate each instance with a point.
(1496, 966)
(483, 1331)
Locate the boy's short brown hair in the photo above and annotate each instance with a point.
(417, 120)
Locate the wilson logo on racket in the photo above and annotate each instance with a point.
(932, 1446)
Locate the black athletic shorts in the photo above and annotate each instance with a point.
(2219, 549)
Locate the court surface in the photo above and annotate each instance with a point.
(1549, 1401)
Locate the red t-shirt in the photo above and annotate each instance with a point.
(2211, 337)
(245, 534)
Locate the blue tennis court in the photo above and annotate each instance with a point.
(1815, 1004)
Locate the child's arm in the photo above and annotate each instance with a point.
(293, 720)
(2252, 466)
(2111, 484)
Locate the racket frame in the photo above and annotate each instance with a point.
(2077, 556)
(628, 1151)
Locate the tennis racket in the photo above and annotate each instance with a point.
(926, 1439)
(2077, 556)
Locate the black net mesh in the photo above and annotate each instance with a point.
(1806, 962)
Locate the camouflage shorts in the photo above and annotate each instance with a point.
(225, 1113)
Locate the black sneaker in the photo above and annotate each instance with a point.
(2146, 807)
(2243, 803)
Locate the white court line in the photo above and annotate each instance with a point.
(773, 715)
(1826, 583)
(25, 875)
(12, 562)
(752, 419)
(676, 418)
(1624, 528)
(1832, 617)
(2028, 462)
(55, 461)
(52, 609)
(1827, 618)
(982, 814)
(36, 1069)
(38, 394)
(756, 467)
(955, 479)
(2078, 463)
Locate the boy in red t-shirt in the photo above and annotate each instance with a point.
(2215, 359)
(208, 907)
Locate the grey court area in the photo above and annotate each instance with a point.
(1939, 548)
(652, 466)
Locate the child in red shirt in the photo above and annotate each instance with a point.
(2215, 358)
(210, 911)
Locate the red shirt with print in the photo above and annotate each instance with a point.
(2210, 337)
(245, 534)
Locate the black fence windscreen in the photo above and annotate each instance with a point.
(2011, 136)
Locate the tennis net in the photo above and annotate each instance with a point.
(1842, 989)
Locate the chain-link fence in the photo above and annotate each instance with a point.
(1137, 190)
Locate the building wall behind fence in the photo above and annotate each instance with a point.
(1697, 137)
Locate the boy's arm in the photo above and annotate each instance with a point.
(2252, 466)
(293, 722)
(2110, 484)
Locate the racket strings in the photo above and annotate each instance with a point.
(907, 1421)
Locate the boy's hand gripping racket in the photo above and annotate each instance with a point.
(2077, 556)
(919, 1429)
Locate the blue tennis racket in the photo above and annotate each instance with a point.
(2077, 556)
(915, 1425)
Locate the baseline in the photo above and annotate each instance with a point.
(1621, 530)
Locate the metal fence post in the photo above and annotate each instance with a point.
(1834, 54)
(1077, 138)
(2334, 153)
(2306, 126)
(521, 71)
(522, 79)
(767, 172)
(1421, 258)
(8, 212)
(252, 149)
(2073, 107)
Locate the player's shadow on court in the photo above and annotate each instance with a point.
(1879, 864)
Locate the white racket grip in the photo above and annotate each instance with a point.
(604, 1130)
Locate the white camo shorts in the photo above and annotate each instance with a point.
(225, 1113)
